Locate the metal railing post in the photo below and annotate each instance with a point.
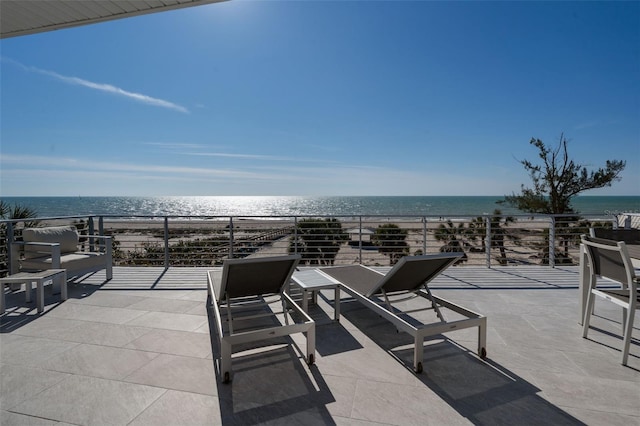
(166, 242)
(424, 235)
(101, 232)
(360, 242)
(295, 235)
(552, 242)
(230, 237)
(91, 229)
(487, 241)
(10, 238)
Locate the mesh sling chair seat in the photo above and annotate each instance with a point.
(242, 299)
(409, 277)
(610, 259)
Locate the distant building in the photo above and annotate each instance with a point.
(358, 234)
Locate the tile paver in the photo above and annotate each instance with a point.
(136, 350)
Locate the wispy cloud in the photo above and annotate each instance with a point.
(197, 150)
(62, 163)
(175, 145)
(103, 87)
(257, 157)
(46, 175)
(595, 123)
(241, 156)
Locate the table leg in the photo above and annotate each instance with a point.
(305, 301)
(336, 303)
(63, 285)
(56, 287)
(27, 291)
(2, 301)
(40, 294)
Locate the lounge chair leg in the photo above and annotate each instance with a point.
(482, 339)
(285, 311)
(225, 361)
(418, 355)
(311, 344)
(587, 314)
(628, 326)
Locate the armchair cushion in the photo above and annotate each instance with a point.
(70, 261)
(66, 236)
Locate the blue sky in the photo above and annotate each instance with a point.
(321, 98)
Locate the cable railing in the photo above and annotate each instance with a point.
(205, 241)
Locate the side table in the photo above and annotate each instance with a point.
(312, 280)
(40, 278)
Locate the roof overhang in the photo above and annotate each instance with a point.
(22, 17)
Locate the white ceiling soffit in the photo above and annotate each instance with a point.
(22, 17)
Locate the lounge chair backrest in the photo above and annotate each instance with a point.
(629, 236)
(256, 276)
(609, 259)
(411, 272)
(357, 277)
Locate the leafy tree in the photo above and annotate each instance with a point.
(391, 241)
(318, 240)
(556, 180)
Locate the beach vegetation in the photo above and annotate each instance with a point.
(455, 236)
(13, 211)
(16, 211)
(148, 254)
(196, 252)
(555, 180)
(391, 241)
(317, 240)
(500, 232)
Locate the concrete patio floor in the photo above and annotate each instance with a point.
(137, 351)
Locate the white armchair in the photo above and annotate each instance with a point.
(57, 247)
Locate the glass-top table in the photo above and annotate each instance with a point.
(311, 281)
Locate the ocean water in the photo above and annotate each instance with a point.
(301, 206)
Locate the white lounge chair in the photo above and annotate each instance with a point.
(409, 277)
(610, 259)
(242, 297)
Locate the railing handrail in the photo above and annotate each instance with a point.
(537, 216)
(234, 223)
